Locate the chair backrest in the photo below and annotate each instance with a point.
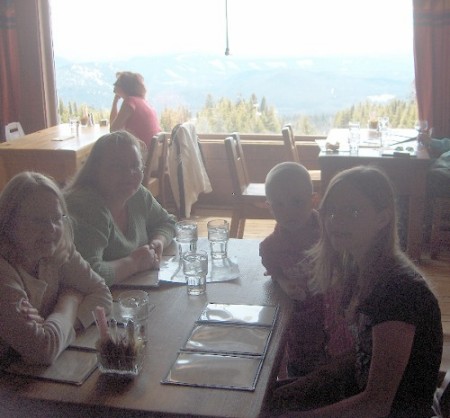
(13, 131)
(441, 401)
(241, 157)
(236, 165)
(289, 144)
(156, 161)
(187, 170)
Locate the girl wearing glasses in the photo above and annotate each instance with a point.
(389, 306)
(46, 289)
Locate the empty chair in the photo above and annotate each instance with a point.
(13, 131)
(292, 154)
(156, 166)
(249, 198)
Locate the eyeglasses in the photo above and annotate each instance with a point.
(43, 222)
(120, 169)
(345, 213)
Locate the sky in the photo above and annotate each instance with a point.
(103, 30)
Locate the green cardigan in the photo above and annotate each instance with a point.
(97, 237)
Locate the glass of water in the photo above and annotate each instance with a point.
(195, 269)
(187, 236)
(353, 137)
(218, 235)
(135, 305)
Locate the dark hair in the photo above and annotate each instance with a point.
(131, 83)
(87, 175)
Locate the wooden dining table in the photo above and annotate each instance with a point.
(55, 151)
(171, 322)
(406, 169)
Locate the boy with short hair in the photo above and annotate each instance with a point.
(316, 332)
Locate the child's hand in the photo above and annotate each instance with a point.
(30, 313)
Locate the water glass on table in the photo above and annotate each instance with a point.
(195, 269)
(74, 123)
(186, 236)
(383, 127)
(218, 235)
(353, 137)
(135, 305)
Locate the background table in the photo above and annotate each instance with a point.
(407, 173)
(170, 324)
(42, 152)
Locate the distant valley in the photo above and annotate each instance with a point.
(307, 85)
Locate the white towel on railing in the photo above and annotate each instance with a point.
(187, 172)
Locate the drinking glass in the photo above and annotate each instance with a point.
(383, 128)
(186, 236)
(218, 235)
(195, 269)
(135, 305)
(353, 137)
(74, 123)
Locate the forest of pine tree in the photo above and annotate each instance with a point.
(257, 116)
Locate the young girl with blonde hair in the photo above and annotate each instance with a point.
(389, 306)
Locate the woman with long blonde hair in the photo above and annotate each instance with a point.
(388, 304)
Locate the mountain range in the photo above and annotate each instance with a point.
(301, 85)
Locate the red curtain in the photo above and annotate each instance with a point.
(27, 77)
(432, 63)
(9, 66)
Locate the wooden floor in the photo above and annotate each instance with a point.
(437, 271)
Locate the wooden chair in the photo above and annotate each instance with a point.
(249, 198)
(440, 226)
(441, 401)
(156, 167)
(186, 167)
(293, 155)
(289, 144)
(13, 130)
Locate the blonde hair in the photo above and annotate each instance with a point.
(332, 267)
(88, 174)
(15, 192)
(131, 83)
(288, 172)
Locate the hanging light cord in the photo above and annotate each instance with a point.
(227, 49)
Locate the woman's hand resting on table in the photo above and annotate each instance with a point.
(145, 258)
(157, 245)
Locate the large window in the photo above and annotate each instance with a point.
(310, 63)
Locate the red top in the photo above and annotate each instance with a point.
(144, 122)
